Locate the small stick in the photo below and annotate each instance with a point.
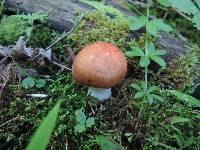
(62, 66)
(182, 14)
(64, 35)
(13, 119)
(92, 109)
(66, 145)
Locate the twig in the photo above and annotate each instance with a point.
(92, 109)
(66, 145)
(64, 35)
(57, 64)
(182, 14)
(13, 119)
(141, 4)
(165, 16)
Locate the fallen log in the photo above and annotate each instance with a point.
(63, 18)
(62, 12)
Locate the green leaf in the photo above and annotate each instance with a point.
(142, 83)
(102, 7)
(90, 122)
(157, 97)
(139, 95)
(81, 120)
(153, 89)
(151, 48)
(28, 82)
(40, 83)
(165, 3)
(186, 98)
(136, 51)
(144, 61)
(150, 98)
(197, 116)
(42, 135)
(158, 60)
(80, 128)
(185, 6)
(106, 144)
(156, 25)
(138, 22)
(177, 119)
(196, 20)
(179, 140)
(198, 3)
(160, 52)
(135, 86)
(152, 29)
(80, 117)
(159, 23)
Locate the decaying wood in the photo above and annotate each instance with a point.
(21, 52)
(62, 12)
(63, 18)
(5, 74)
(70, 56)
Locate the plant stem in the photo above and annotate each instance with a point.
(146, 50)
(182, 14)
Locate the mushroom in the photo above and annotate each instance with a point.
(100, 66)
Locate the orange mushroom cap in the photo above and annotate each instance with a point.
(100, 65)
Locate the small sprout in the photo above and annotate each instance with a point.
(30, 82)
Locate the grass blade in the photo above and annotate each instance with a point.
(42, 135)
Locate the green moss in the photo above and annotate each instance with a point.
(11, 28)
(31, 111)
(98, 27)
(1, 7)
(181, 72)
(42, 36)
(160, 133)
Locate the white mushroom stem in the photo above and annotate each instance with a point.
(99, 93)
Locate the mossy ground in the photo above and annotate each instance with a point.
(97, 26)
(118, 118)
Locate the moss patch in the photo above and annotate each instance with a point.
(181, 72)
(42, 36)
(10, 29)
(97, 26)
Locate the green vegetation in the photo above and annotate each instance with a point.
(43, 36)
(181, 72)
(11, 28)
(148, 110)
(14, 26)
(100, 6)
(1, 7)
(97, 26)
